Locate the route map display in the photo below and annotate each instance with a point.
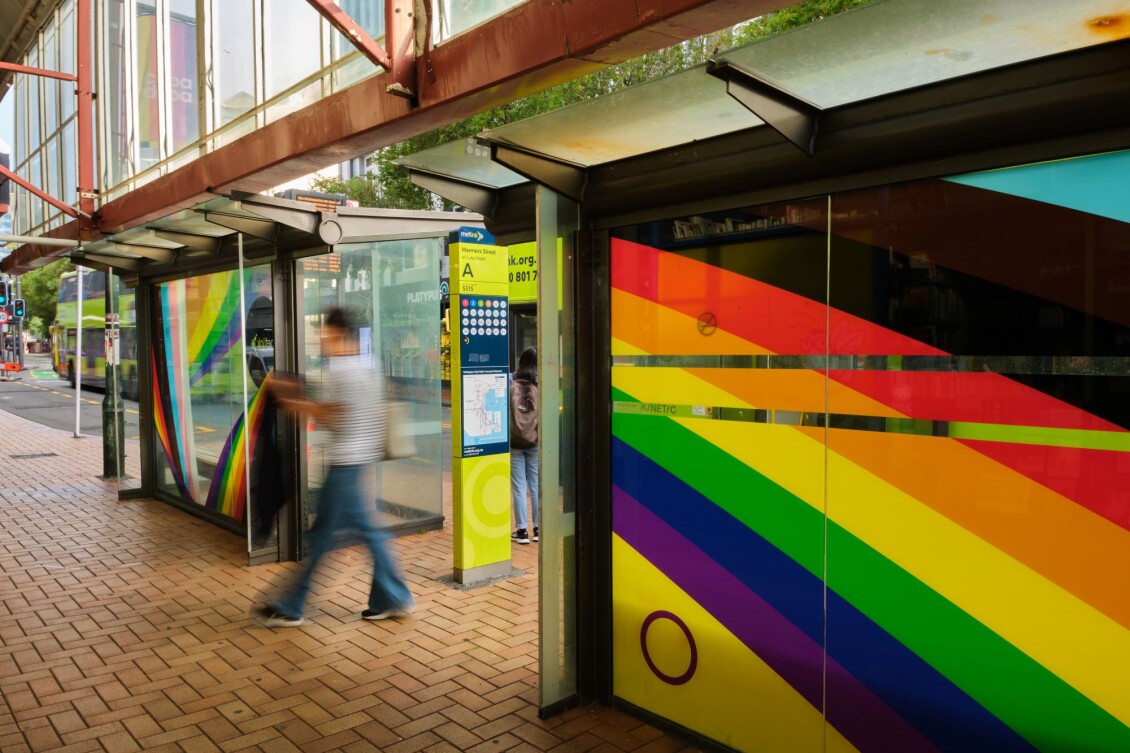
(485, 421)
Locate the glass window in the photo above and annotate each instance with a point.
(184, 89)
(292, 43)
(67, 42)
(149, 87)
(234, 60)
(396, 305)
(456, 16)
(114, 101)
(34, 130)
(69, 192)
(369, 15)
(50, 61)
(51, 171)
(19, 146)
(34, 175)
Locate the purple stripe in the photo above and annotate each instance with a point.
(868, 723)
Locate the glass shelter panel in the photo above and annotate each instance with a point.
(882, 434)
(719, 327)
(391, 291)
(210, 358)
(977, 515)
(184, 89)
(557, 413)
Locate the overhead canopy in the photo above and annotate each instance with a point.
(896, 82)
(207, 234)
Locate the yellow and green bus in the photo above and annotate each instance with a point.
(91, 359)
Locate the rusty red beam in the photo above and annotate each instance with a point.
(57, 203)
(400, 37)
(534, 46)
(341, 21)
(16, 67)
(84, 115)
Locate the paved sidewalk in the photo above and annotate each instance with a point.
(123, 627)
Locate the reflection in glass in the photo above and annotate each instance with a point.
(118, 160)
(456, 16)
(184, 91)
(67, 60)
(149, 87)
(50, 61)
(234, 59)
(69, 193)
(292, 44)
(391, 289)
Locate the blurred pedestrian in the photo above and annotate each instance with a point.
(355, 413)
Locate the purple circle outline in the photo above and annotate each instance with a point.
(686, 676)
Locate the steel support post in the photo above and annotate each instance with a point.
(113, 414)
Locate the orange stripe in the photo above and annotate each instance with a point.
(791, 390)
(1069, 545)
(660, 330)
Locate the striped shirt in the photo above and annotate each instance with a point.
(358, 433)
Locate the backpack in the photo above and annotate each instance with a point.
(523, 414)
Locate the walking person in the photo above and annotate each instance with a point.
(356, 414)
(524, 444)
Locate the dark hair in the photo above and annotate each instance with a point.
(528, 365)
(336, 317)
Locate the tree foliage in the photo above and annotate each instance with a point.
(40, 291)
(387, 186)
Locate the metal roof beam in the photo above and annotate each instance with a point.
(796, 119)
(160, 255)
(117, 262)
(262, 229)
(207, 243)
(564, 178)
(474, 197)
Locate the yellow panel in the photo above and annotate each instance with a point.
(732, 696)
(481, 520)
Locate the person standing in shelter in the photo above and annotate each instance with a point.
(524, 444)
(356, 414)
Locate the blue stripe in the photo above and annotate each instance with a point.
(940, 710)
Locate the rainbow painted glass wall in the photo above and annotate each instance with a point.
(204, 349)
(871, 466)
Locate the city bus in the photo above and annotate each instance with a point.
(92, 359)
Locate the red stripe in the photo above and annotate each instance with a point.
(775, 319)
(1095, 479)
(975, 397)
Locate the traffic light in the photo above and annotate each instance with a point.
(3, 292)
(18, 308)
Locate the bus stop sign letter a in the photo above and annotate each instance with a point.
(480, 466)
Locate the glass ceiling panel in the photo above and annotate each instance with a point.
(466, 160)
(685, 107)
(895, 45)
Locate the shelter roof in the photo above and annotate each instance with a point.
(825, 90)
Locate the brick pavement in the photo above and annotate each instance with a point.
(123, 627)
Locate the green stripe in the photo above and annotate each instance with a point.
(1084, 439)
(1040, 706)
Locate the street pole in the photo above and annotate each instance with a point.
(19, 327)
(77, 362)
(113, 424)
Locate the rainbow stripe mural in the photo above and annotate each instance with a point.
(198, 357)
(818, 545)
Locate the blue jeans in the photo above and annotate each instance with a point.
(523, 475)
(341, 507)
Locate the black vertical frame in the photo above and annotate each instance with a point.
(594, 480)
